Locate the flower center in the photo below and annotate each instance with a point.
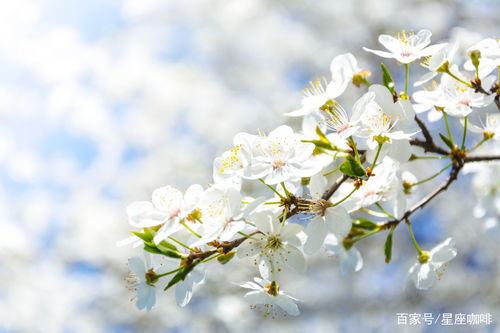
(272, 288)
(278, 164)
(464, 101)
(231, 160)
(274, 242)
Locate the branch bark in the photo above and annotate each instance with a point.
(428, 145)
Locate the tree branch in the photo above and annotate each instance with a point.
(481, 158)
(335, 186)
(451, 178)
(428, 145)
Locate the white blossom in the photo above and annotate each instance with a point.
(276, 245)
(425, 272)
(280, 156)
(269, 294)
(350, 259)
(407, 47)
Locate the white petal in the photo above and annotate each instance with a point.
(399, 150)
(382, 54)
(338, 221)
(443, 252)
(287, 305)
(289, 233)
(249, 285)
(425, 277)
(167, 199)
(294, 258)
(257, 297)
(263, 221)
(316, 233)
(137, 267)
(351, 261)
(183, 292)
(146, 297)
(192, 196)
(249, 248)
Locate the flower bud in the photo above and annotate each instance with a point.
(474, 56)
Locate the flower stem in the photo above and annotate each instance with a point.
(168, 273)
(191, 230)
(433, 176)
(375, 231)
(458, 79)
(382, 209)
(346, 197)
(271, 188)
(415, 243)
(407, 79)
(373, 212)
(376, 155)
(180, 243)
(245, 235)
(476, 146)
(330, 172)
(429, 157)
(466, 120)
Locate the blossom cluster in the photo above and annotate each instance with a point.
(341, 178)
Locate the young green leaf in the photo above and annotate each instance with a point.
(388, 246)
(142, 236)
(180, 276)
(446, 141)
(387, 80)
(364, 224)
(352, 168)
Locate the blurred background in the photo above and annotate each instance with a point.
(102, 101)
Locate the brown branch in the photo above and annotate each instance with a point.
(335, 186)
(451, 178)
(223, 248)
(478, 88)
(481, 158)
(428, 145)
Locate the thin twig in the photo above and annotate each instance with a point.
(428, 145)
(451, 178)
(481, 158)
(335, 186)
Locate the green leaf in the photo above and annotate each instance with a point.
(388, 246)
(150, 233)
(364, 224)
(152, 249)
(168, 250)
(180, 276)
(159, 249)
(225, 258)
(446, 141)
(387, 80)
(352, 168)
(142, 236)
(167, 245)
